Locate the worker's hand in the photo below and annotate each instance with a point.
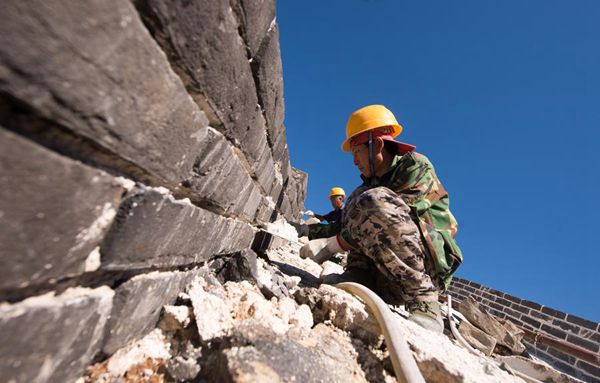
(309, 213)
(320, 250)
(302, 229)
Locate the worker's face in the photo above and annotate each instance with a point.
(337, 201)
(361, 156)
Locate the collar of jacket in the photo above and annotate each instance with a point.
(385, 179)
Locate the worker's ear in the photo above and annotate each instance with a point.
(377, 145)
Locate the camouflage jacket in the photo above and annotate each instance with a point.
(413, 177)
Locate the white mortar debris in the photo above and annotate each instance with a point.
(283, 229)
(220, 309)
(153, 346)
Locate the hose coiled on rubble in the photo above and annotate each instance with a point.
(404, 364)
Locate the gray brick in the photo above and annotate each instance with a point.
(104, 81)
(512, 298)
(520, 308)
(54, 212)
(155, 230)
(562, 356)
(583, 343)
(554, 313)
(532, 305)
(566, 326)
(581, 322)
(202, 43)
(554, 331)
(138, 304)
(53, 339)
(592, 370)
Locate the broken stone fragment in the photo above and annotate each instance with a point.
(477, 338)
(175, 318)
(536, 369)
(182, 369)
(343, 310)
(491, 326)
(152, 346)
(324, 354)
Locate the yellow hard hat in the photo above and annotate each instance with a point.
(337, 191)
(368, 118)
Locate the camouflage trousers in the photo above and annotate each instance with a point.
(388, 246)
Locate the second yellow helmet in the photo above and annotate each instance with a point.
(337, 191)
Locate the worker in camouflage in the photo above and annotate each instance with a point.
(397, 224)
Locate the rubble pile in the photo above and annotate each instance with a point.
(251, 318)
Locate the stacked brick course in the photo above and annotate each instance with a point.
(138, 139)
(576, 331)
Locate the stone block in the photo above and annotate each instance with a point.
(202, 42)
(138, 304)
(93, 69)
(52, 339)
(255, 17)
(53, 212)
(153, 229)
(477, 338)
(266, 65)
(222, 180)
(490, 325)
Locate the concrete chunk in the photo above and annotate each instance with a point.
(154, 229)
(53, 212)
(52, 339)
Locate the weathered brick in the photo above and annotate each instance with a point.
(562, 356)
(103, 80)
(566, 326)
(541, 316)
(532, 305)
(475, 285)
(554, 331)
(583, 343)
(563, 367)
(220, 178)
(512, 313)
(53, 339)
(255, 16)
(503, 302)
(266, 66)
(138, 303)
(520, 308)
(536, 324)
(512, 298)
(54, 212)
(554, 313)
(202, 43)
(581, 322)
(593, 370)
(153, 229)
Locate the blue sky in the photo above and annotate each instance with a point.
(502, 96)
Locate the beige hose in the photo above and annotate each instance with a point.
(404, 364)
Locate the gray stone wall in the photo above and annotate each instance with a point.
(581, 334)
(138, 139)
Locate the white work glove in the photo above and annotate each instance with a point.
(309, 213)
(320, 250)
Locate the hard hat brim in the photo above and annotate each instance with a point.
(346, 147)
